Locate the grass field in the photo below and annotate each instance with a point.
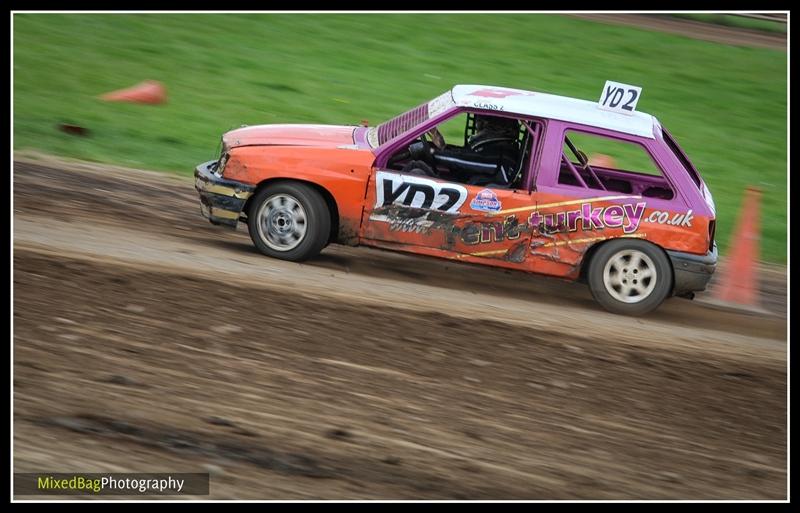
(726, 105)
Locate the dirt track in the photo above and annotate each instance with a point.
(695, 29)
(147, 340)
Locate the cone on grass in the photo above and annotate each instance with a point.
(149, 92)
(738, 282)
(600, 160)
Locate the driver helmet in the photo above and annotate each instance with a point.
(494, 127)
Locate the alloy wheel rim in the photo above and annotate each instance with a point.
(282, 222)
(630, 276)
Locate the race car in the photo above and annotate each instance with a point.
(591, 191)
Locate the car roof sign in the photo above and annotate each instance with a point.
(618, 97)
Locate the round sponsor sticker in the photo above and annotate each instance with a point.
(487, 201)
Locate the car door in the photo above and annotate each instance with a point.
(594, 185)
(445, 218)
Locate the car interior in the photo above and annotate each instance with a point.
(432, 155)
(577, 170)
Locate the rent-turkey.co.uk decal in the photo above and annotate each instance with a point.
(627, 216)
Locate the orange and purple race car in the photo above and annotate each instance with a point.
(581, 190)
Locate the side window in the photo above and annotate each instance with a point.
(474, 149)
(607, 164)
(453, 130)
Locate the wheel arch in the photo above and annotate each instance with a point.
(333, 208)
(592, 250)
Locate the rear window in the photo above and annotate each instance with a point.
(685, 162)
(622, 156)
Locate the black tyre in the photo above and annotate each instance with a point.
(629, 276)
(289, 220)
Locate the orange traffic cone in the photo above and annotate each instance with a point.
(600, 160)
(738, 280)
(149, 91)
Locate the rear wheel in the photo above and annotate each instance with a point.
(289, 221)
(630, 277)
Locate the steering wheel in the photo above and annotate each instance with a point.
(422, 150)
(419, 150)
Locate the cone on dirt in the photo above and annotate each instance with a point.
(149, 92)
(738, 282)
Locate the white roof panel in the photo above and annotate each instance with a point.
(562, 108)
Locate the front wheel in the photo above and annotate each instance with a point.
(289, 221)
(630, 277)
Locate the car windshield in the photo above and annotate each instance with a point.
(407, 121)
